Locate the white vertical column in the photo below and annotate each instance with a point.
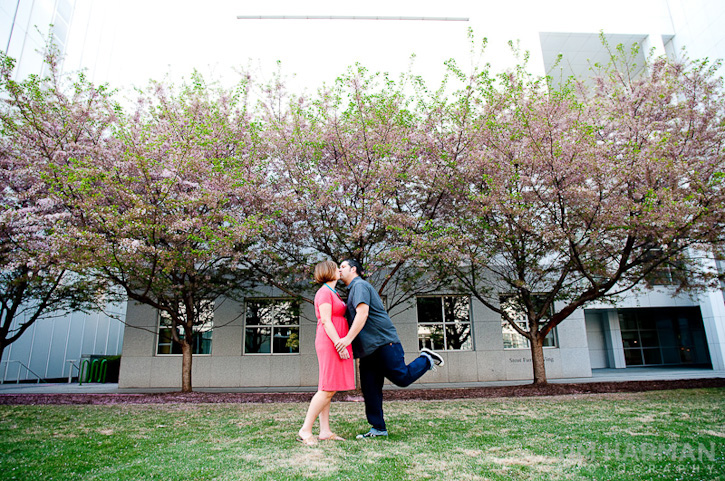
(613, 332)
(712, 307)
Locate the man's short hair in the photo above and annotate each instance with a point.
(358, 267)
(325, 272)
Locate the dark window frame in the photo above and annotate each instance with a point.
(202, 340)
(276, 330)
(442, 333)
(513, 340)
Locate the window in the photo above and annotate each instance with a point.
(511, 338)
(659, 336)
(272, 326)
(202, 338)
(444, 323)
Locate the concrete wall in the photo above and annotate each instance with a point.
(587, 340)
(226, 366)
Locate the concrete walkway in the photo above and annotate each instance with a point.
(598, 375)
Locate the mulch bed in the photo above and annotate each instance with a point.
(410, 394)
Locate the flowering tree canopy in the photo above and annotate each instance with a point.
(348, 165)
(171, 207)
(532, 198)
(571, 195)
(41, 125)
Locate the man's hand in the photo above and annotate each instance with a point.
(341, 346)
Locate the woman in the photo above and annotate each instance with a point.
(336, 370)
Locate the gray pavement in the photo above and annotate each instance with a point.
(598, 375)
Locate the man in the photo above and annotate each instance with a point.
(375, 342)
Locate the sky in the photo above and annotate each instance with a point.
(126, 42)
(154, 38)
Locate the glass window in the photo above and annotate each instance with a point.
(511, 338)
(202, 338)
(272, 326)
(663, 335)
(444, 323)
(633, 357)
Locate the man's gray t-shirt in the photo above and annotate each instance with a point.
(378, 329)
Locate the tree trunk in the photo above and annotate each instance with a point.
(185, 366)
(537, 360)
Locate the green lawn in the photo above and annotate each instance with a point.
(656, 435)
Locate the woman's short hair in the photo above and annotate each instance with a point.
(325, 272)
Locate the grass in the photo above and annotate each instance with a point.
(663, 435)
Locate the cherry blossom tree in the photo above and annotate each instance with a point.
(570, 195)
(348, 163)
(42, 120)
(169, 215)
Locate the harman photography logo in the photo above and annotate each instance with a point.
(701, 458)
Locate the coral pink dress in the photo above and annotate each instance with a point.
(335, 374)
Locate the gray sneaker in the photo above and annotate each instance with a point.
(434, 357)
(373, 433)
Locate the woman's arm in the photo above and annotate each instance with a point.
(326, 319)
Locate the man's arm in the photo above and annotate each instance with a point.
(361, 317)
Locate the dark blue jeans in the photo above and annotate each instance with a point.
(386, 361)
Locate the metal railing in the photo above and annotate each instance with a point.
(20, 368)
(89, 370)
(92, 371)
(73, 364)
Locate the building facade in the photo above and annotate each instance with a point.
(268, 341)
(54, 347)
(26, 26)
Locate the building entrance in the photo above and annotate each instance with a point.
(663, 336)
